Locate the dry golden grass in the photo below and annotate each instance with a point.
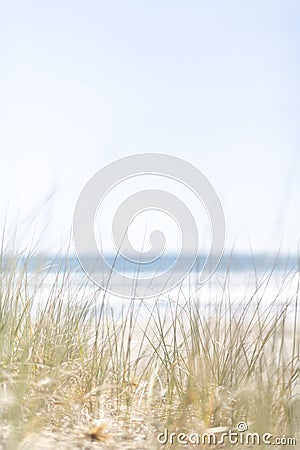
(77, 373)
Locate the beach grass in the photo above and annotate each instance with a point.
(78, 372)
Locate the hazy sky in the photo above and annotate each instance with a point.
(214, 82)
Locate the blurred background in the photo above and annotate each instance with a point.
(215, 83)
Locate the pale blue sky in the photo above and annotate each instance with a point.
(214, 82)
